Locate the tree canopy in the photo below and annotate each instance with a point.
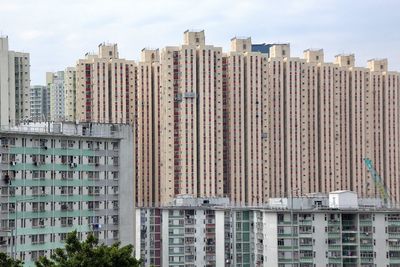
(7, 261)
(89, 253)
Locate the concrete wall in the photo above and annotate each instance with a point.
(4, 113)
(270, 226)
(220, 238)
(126, 186)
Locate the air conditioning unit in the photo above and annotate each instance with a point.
(13, 163)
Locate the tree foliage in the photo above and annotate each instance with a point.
(7, 261)
(89, 253)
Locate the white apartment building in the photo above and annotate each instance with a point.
(211, 232)
(55, 82)
(40, 103)
(14, 85)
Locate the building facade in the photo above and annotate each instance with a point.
(205, 233)
(40, 103)
(323, 119)
(256, 123)
(246, 86)
(62, 177)
(14, 85)
(249, 124)
(70, 94)
(55, 83)
(105, 87)
(191, 119)
(148, 129)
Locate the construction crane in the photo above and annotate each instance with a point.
(377, 180)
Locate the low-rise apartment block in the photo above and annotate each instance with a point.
(210, 232)
(56, 178)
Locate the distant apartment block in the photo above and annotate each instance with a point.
(59, 177)
(14, 85)
(70, 94)
(40, 103)
(55, 83)
(105, 87)
(210, 232)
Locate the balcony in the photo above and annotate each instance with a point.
(306, 259)
(349, 253)
(66, 208)
(306, 221)
(93, 193)
(367, 260)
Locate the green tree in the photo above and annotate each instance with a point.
(6, 261)
(89, 253)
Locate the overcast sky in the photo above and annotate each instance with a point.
(57, 33)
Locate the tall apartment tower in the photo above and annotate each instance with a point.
(191, 117)
(40, 103)
(148, 128)
(55, 83)
(70, 94)
(14, 85)
(105, 87)
(382, 124)
(324, 119)
(274, 167)
(246, 91)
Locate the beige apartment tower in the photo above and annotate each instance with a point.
(191, 119)
(70, 94)
(105, 87)
(245, 86)
(256, 123)
(324, 119)
(148, 160)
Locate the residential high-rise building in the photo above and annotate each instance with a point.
(191, 119)
(55, 83)
(148, 128)
(324, 119)
(105, 87)
(59, 177)
(257, 123)
(14, 85)
(70, 94)
(40, 103)
(246, 91)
